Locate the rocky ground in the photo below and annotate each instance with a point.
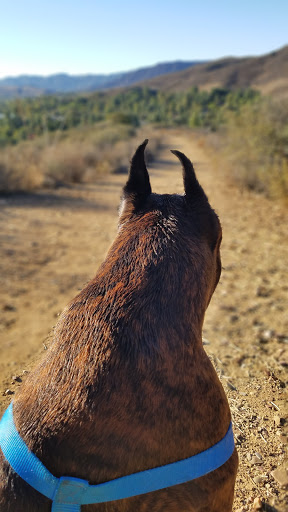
(52, 243)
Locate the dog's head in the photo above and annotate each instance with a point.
(183, 227)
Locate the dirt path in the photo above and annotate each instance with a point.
(52, 243)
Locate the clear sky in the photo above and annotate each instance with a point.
(104, 36)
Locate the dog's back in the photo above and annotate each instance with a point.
(126, 385)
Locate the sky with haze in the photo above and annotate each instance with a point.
(90, 36)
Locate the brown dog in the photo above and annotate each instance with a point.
(126, 385)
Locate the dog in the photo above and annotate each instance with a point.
(126, 385)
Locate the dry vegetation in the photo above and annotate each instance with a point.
(253, 147)
(83, 138)
(79, 156)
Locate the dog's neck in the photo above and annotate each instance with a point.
(157, 297)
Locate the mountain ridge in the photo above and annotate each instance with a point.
(33, 85)
(267, 73)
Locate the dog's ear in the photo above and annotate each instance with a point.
(138, 187)
(138, 184)
(192, 187)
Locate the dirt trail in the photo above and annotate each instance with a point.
(53, 242)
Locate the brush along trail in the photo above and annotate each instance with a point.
(53, 241)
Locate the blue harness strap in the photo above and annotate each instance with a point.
(22, 460)
(68, 494)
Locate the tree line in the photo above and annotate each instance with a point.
(25, 119)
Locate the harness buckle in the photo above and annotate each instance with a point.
(68, 495)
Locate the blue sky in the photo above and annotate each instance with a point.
(77, 37)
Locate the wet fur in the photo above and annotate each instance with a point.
(126, 384)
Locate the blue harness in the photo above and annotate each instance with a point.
(68, 494)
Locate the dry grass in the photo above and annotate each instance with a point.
(80, 155)
(256, 148)
(253, 148)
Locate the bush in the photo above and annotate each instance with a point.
(124, 118)
(76, 156)
(256, 146)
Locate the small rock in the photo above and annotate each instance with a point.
(263, 291)
(281, 475)
(257, 504)
(278, 421)
(15, 378)
(230, 386)
(9, 307)
(255, 460)
(239, 439)
(266, 335)
(259, 479)
(8, 392)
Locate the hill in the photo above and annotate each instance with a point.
(33, 85)
(268, 74)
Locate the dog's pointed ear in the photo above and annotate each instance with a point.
(138, 187)
(192, 186)
(138, 183)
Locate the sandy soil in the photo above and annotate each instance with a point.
(53, 242)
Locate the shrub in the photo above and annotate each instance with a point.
(75, 156)
(256, 146)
